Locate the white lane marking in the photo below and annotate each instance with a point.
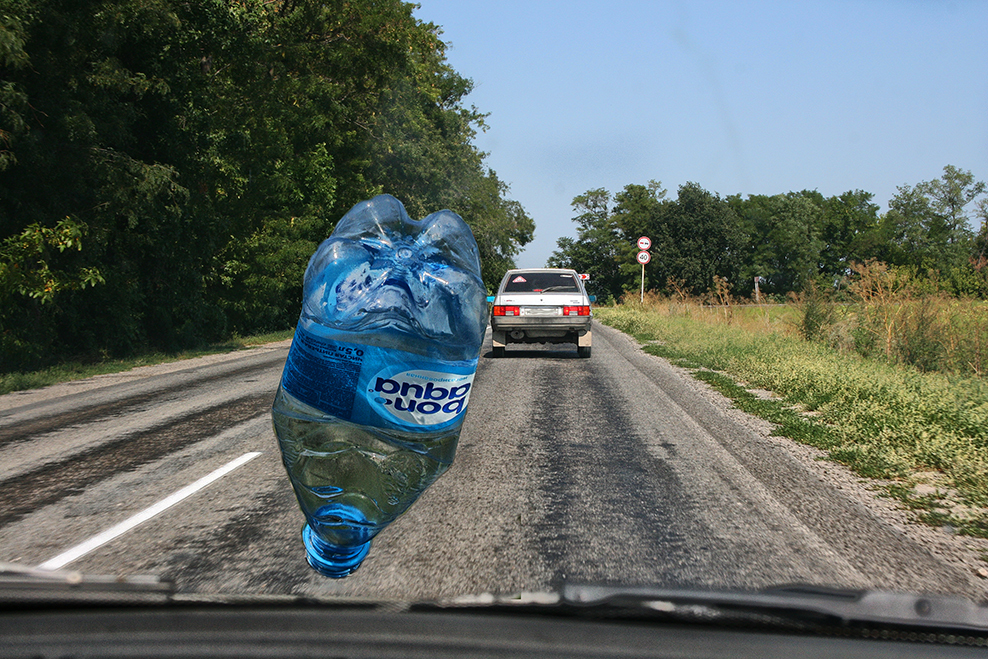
(80, 550)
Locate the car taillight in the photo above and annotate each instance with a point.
(506, 311)
(576, 311)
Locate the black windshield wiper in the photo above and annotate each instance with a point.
(802, 606)
(797, 603)
(795, 606)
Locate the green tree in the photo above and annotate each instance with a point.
(979, 256)
(210, 146)
(694, 238)
(949, 197)
(698, 237)
(500, 225)
(637, 208)
(596, 251)
(929, 226)
(848, 232)
(637, 212)
(783, 243)
(14, 19)
(904, 229)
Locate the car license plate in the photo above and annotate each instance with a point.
(541, 311)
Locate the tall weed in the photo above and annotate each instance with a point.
(880, 292)
(889, 316)
(818, 313)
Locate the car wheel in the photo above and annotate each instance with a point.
(583, 351)
(498, 352)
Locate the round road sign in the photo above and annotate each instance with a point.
(644, 257)
(643, 244)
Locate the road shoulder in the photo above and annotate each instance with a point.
(965, 555)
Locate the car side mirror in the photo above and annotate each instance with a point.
(593, 298)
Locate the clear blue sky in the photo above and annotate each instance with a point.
(739, 97)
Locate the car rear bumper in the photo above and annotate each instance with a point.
(536, 325)
(541, 330)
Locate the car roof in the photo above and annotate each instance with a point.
(541, 270)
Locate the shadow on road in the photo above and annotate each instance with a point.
(552, 353)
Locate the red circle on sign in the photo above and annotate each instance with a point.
(644, 257)
(644, 243)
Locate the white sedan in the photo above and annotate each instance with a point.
(542, 305)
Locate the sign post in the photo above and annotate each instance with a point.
(643, 257)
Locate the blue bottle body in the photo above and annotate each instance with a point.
(379, 374)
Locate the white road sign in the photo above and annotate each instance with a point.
(644, 257)
(643, 244)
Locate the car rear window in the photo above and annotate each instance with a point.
(539, 282)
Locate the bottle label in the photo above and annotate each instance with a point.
(381, 387)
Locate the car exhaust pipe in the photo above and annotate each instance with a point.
(517, 334)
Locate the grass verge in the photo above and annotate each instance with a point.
(68, 371)
(925, 433)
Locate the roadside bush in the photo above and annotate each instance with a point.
(920, 333)
(889, 316)
(968, 338)
(818, 314)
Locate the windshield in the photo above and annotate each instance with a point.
(541, 282)
(781, 209)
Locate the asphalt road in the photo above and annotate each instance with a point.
(616, 469)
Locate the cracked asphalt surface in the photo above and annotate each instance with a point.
(615, 469)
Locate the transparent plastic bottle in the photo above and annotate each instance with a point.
(378, 378)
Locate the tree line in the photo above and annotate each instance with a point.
(168, 166)
(788, 241)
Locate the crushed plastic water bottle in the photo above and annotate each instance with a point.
(379, 374)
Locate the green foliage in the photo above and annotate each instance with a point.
(599, 248)
(784, 245)
(36, 265)
(500, 225)
(26, 262)
(818, 313)
(786, 240)
(14, 18)
(695, 239)
(891, 313)
(848, 232)
(928, 225)
(207, 148)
